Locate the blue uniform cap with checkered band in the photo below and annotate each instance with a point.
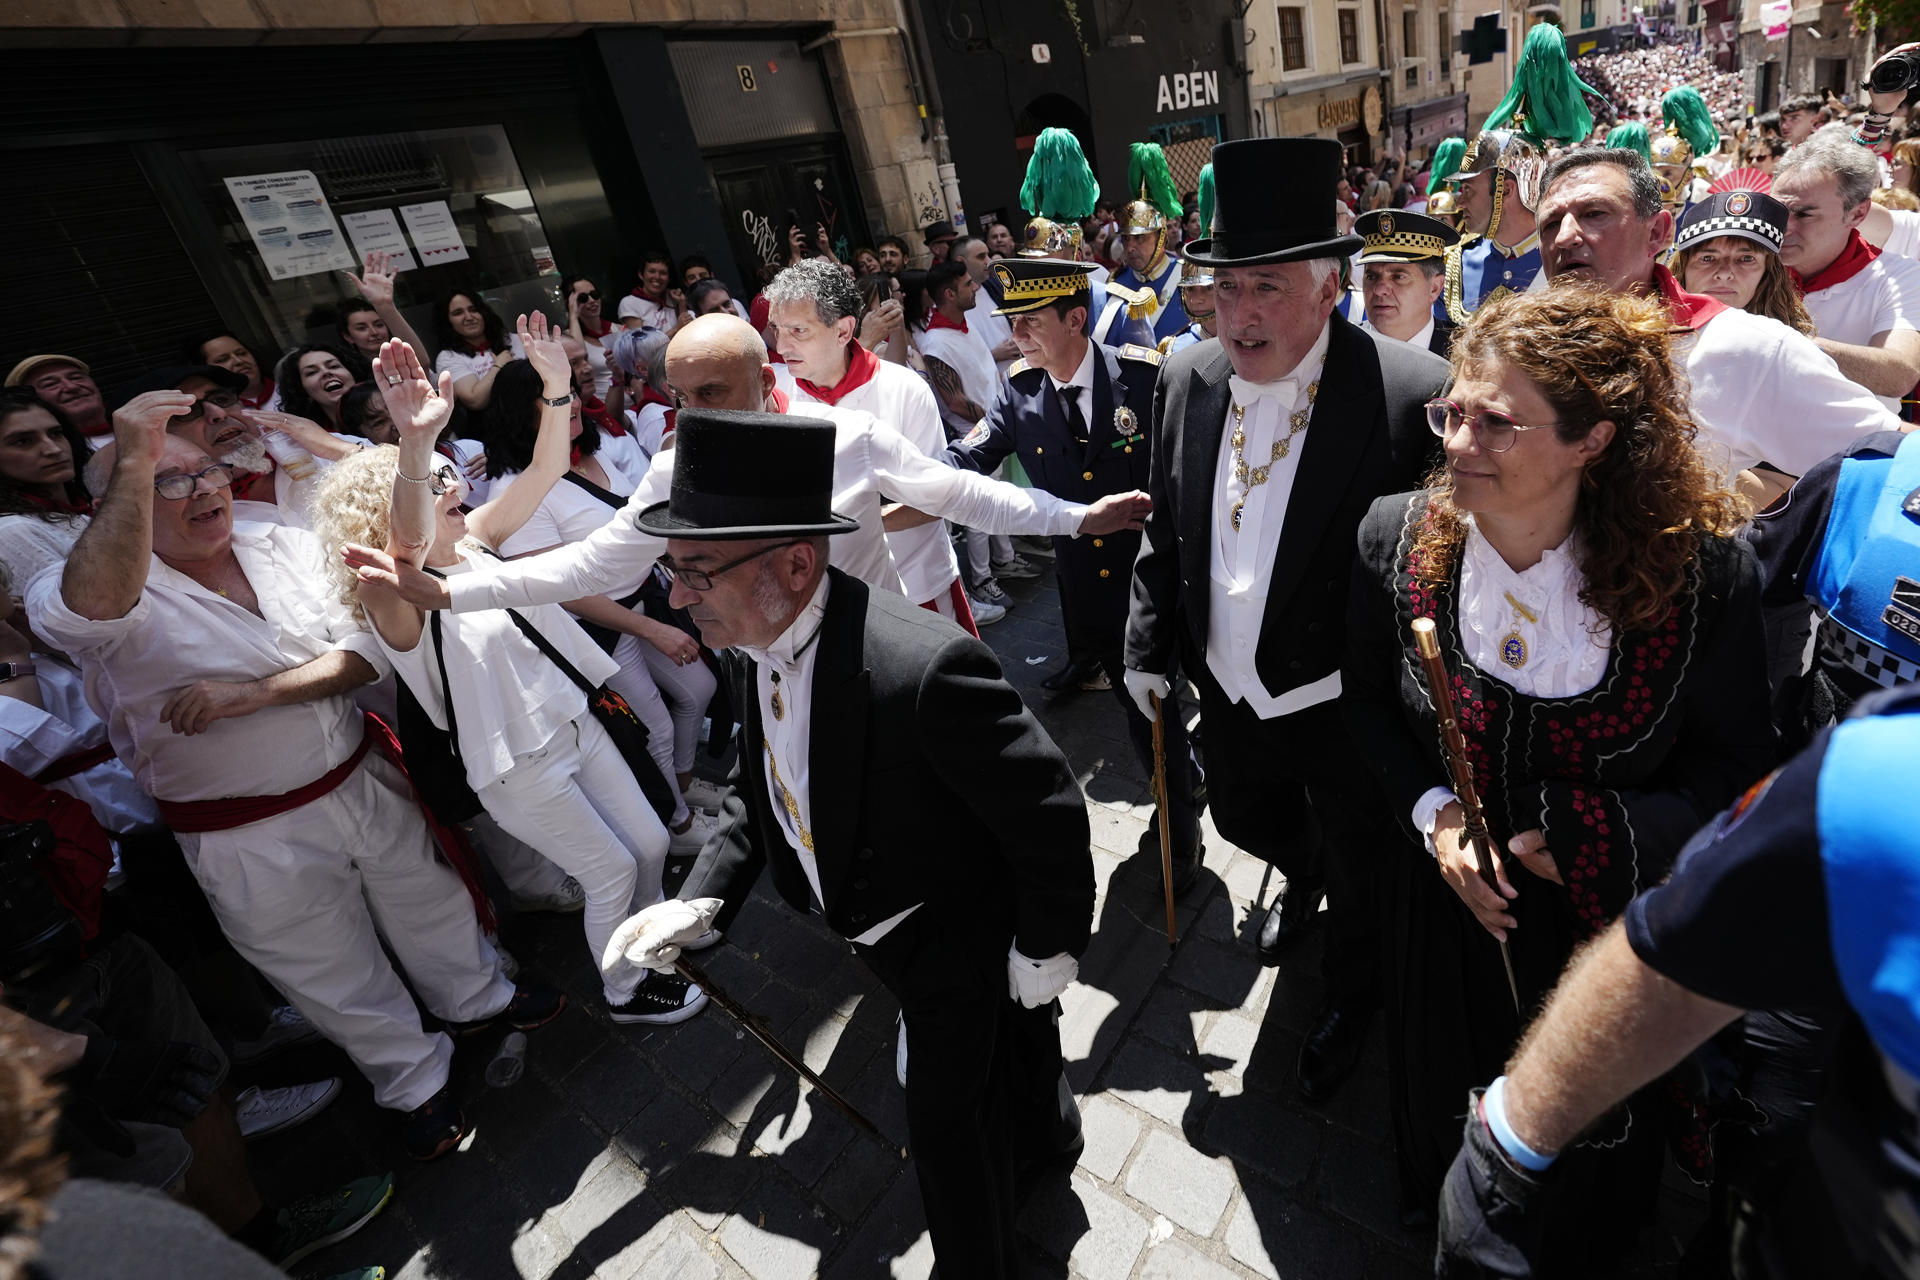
(1751, 215)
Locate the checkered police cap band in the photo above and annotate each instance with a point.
(1756, 229)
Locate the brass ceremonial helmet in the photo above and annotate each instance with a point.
(1513, 159)
(1672, 156)
(1140, 216)
(1046, 238)
(1445, 206)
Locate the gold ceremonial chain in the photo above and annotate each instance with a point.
(786, 798)
(1513, 647)
(1254, 477)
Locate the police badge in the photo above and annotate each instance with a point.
(1126, 421)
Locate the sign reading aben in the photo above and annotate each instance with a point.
(1184, 89)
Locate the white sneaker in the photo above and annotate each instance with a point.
(565, 900)
(263, 1111)
(900, 1051)
(989, 590)
(694, 838)
(701, 794)
(984, 613)
(286, 1029)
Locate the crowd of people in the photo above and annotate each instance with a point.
(1497, 553)
(1632, 82)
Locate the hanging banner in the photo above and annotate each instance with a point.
(291, 226)
(1775, 15)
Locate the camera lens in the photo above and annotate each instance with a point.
(1893, 74)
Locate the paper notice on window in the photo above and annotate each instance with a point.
(435, 234)
(378, 231)
(288, 218)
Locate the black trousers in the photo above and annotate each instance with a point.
(982, 1080)
(1294, 792)
(1184, 774)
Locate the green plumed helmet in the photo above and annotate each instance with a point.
(1446, 162)
(1060, 183)
(1149, 178)
(1545, 100)
(1204, 196)
(1631, 137)
(1685, 112)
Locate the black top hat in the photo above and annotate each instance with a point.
(1753, 215)
(1394, 235)
(748, 475)
(170, 376)
(1272, 203)
(1028, 284)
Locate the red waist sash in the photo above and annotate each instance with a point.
(74, 762)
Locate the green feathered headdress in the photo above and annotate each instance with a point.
(1204, 196)
(1544, 101)
(1446, 162)
(1149, 179)
(1685, 112)
(1060, 183)
(1631, 137)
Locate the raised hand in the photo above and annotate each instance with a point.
(140, 425)
(416, 406)
(380, 571)
(376, 285)
(544, 352)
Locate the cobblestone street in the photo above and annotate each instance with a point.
(686, 1153)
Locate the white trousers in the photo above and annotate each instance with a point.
(686, 691)
(306, 898)
(634, 682)
(525, 871)
(575, 800)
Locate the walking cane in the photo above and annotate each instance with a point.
(691, 972)
(1160, 803)
(1441, 690)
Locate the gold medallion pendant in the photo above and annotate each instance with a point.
(1513, 650)
(779, 711)
(1234, 515)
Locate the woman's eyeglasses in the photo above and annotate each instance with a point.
(441, 479)
(178, 487)
(587, 295)
(1493, 432)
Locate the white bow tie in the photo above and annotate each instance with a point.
(1285, 391)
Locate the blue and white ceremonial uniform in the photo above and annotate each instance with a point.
(1479, 269)
(1164, 313)
(1187, 337)
(1111, 322)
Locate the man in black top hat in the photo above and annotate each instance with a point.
(1078, 415)
(939, 236)
(1402, 271)
(1268, 446)
(861, 716)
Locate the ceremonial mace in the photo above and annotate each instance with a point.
(1439, 686)
(691, 972)
(1160, 803)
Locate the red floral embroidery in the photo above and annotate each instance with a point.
(1592, 849)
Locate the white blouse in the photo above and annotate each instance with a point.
(509, 697)
(569, 514)
(29, 544)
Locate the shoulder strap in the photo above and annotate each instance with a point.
(446, 690)
(608, 496)
(528, 630)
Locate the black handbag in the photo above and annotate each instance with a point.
(37, 931)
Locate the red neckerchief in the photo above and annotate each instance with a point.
(243, 485)
(64, 506)
(479, 347)
(660, 301)
(936, 319)
(266, 394)
(595, 411)
(592, 332)
(649, 396)
(1691, 309)
(1855, 258)
(862, 364)
(780, 401)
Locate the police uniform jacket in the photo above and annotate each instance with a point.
(930, 782)
(1030, 418)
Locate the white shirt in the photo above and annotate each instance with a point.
(1883, 297)
(1083, 379)
(570, 514)
(786, 667)
(1241, 566)
(1762, 392)
(901, 398)
(29, 544)
(1420, 339)
(32, 739)
(597, 361)
(1567, 643)
(651, 314)
(869, 458)
(970, 361)
(1904, 239)
(178, 632)
(509, 697)
(471, 364)
(993, 329)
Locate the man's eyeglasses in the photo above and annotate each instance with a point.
(178, 487)
(220, 399)
(1493, 432)
(702, 579)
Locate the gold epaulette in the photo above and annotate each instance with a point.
(1141, 303)
(1018, 366)
(1134, 351)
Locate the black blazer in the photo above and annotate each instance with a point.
(1441, 342)
(1095, 573)
(1368, 437)
(929, 781)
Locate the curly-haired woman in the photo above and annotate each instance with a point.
(535, 756)
(1601, 627)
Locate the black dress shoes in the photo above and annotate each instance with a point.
(1077, 674)
(1330, 1052)
(1289, 917)
(1187, 855)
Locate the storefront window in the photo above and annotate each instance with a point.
(452, 201)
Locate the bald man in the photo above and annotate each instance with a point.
(719, 361)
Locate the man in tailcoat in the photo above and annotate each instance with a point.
(1269, 442)
(890, 780)
(1077, 413)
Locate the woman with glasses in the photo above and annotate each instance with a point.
(1600, 626)
(586, 322)
(541, 765)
